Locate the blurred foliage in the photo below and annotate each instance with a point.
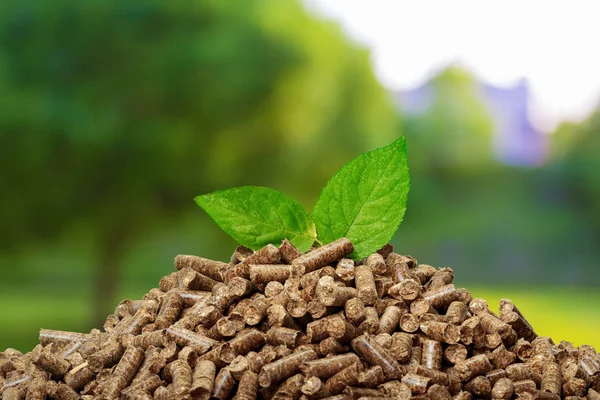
(131, 108)
(490, 222)
(114, 114)
(453, 136)
(577, 151)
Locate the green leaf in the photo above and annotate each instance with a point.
(365, 201)
(256, 216)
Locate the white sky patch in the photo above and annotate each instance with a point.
(552, 44)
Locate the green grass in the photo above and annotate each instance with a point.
(22, 316)
(562, 313)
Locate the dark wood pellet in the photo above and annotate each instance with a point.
(346, 377)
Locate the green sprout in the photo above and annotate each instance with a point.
(364, 201)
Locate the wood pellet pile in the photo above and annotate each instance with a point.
(279, 324)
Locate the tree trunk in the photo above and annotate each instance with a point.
(111, 248)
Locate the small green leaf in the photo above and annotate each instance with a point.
(365, 201)
(256, 216)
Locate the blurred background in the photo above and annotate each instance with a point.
(114, 114)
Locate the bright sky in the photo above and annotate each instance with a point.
(553, 44)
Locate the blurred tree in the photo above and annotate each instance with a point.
(115, 113)
(453, 135)
(575, 148)
(450, 148)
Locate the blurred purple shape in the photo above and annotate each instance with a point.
(516, 140)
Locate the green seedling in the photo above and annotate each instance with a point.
(364, 201)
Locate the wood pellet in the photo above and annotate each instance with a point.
(279, 324)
